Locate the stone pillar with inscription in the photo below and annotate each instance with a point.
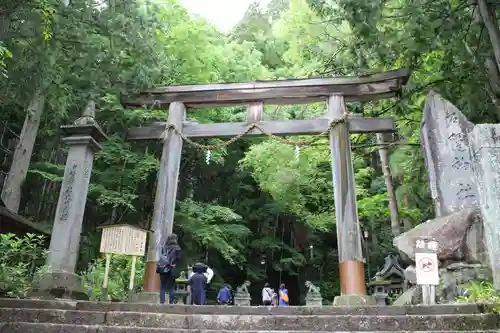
(61, 281)
(445, 142)
(485, 147)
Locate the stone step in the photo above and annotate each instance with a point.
(334, 323)
(254, 310)
(61, 328)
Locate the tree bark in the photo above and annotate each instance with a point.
(391, 194)
(488, 15)
(406, 222)
(12, 188)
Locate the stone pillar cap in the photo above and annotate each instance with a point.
(85, 125)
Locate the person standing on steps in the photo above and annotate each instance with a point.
(283, 295)
(224, 296)
(198, 283)
(267, 295)
(274, 301)
(170, 257)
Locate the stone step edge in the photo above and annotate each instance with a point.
(461, 308)
(477, 322)
(244, 316)
(62, 328)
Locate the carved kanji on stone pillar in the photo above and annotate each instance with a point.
(82, 137)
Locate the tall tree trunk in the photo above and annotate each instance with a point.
(406, 222)
(391, 194)
(11, 191)
(487, 11)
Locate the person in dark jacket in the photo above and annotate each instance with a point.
(198, 283)
(167, 268)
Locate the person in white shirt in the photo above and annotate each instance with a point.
(267, 295)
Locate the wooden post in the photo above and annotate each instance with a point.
(132, 277)
(166, 194)
(352, 276)
(104, 293)
(255, 112)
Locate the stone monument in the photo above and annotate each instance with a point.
(242, 296)
(61, 280)
(486, 151)
(313, 296)
(445, 142)
(464, 177)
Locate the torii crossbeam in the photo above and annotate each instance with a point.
(255, 94)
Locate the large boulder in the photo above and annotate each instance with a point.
(460, 237)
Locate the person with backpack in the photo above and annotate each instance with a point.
(170, 257)
(267, 295)
(283, 295)
(224, 296)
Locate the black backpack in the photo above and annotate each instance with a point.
(166, 261)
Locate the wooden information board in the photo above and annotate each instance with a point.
(123, 239)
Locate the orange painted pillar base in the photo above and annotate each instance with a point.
(352, 278)
(151, 287)
(151, 278)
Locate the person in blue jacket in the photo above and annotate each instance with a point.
(283, 294)
(224, 296)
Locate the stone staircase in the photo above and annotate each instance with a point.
(29, 316)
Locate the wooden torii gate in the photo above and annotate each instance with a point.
(336, 91)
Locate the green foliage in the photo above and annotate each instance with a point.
(481, 292)
(21, 259)
(119, 278)
(213, 227)
(4, 54)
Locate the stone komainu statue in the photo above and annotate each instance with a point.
(312, 288)
(243, 289)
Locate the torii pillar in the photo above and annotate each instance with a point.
(351, 261)
(165, 199)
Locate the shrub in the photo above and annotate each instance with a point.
(118, 280)
(21, 259)
(481, 292)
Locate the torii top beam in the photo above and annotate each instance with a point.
(362, 88)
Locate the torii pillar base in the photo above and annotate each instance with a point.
(352, 285)
(151, 290)
(354, 300)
